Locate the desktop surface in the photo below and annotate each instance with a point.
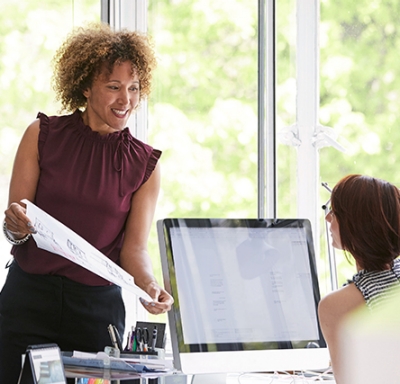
(227, 378)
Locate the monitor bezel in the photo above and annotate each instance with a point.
(287, 356)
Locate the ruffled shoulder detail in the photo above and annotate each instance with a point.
(43, 131)
(359, 275)
(374, 285)
(153, 159)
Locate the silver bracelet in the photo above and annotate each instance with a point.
(12, 240)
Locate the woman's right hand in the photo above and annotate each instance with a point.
(17, 223)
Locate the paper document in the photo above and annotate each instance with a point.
(55, 237)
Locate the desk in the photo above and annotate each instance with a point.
(234, 378)
(169, 379)
(256, 378)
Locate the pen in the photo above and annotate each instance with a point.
(112, 336)
(128, 342)
(154, 339)
(117, 337)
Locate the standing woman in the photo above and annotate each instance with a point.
(86, 170)
(365, 223)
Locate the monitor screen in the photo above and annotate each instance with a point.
(246, 294)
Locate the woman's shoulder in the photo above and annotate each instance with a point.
(32, 132)
(34, 125)
(339, 303)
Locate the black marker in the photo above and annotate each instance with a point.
(154, 339)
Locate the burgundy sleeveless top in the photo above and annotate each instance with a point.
(86, 182)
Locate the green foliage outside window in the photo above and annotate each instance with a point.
(203, 111)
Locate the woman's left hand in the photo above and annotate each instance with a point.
(162, 300)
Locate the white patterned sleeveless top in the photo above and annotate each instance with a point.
(375, 286)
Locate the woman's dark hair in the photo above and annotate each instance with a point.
(368, 213)
(88, 51)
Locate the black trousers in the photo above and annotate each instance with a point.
(38, 309)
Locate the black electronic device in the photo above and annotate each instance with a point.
(42, 364)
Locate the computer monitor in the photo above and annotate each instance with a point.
(246, 294)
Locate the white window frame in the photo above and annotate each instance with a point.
(267, 172)
(306, 129)
(307, 106)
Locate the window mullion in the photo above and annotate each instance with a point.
(307, 113)
(267, 191)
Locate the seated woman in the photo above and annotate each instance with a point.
(365, 223)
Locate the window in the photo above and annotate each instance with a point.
(31, 32)
(334, 58)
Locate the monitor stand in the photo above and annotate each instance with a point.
(209, 378)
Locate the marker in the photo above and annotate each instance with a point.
(139, 339)
(142, 339)
(154, 339)
(133, 342)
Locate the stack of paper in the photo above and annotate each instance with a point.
(82, 364)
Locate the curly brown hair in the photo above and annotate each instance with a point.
(87, 51)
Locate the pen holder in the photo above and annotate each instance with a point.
(158, 352)
(160, 327)
(145, 339)
(138, 353)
